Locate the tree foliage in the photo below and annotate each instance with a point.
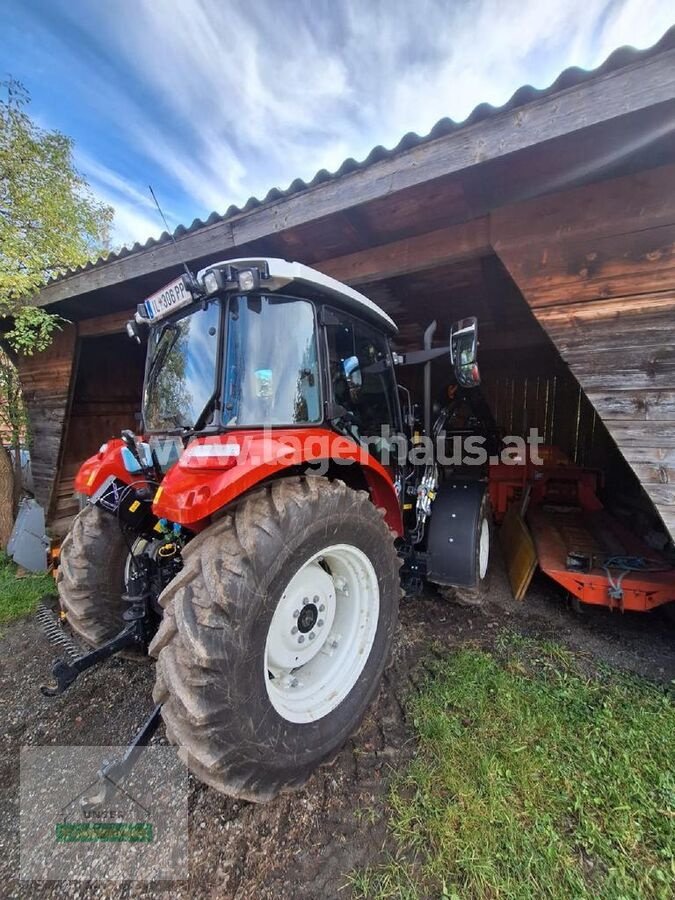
(49, 219)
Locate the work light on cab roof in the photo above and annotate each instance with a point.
(249, 275)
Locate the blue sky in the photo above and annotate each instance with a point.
(213, 101)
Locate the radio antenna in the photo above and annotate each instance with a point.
(169, 232)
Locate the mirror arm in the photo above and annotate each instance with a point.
(416, 357)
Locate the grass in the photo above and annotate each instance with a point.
(20, 596)
(532, 779)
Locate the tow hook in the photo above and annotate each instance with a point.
(134, 634)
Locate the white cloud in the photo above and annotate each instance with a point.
(229, 99)
(136, 217)
(130, 225)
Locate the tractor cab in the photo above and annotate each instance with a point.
(252, 344)
(264, 343)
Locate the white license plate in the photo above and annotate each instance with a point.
(171, 297)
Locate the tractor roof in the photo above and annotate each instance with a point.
(307, 282)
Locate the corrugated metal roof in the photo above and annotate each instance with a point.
(619, 59)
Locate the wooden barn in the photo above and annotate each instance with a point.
(552, 219)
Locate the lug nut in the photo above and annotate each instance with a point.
(320, 623)
(301, 639)
(305, 601)
(294, 630)
(316, 598)
(322, 608)
(311, 635)
(296, 613)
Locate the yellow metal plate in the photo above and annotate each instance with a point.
(520, 554)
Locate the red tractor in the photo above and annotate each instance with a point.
(251, 539)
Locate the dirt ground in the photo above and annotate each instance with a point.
(304, 844)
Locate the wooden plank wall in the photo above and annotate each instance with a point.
(105, 399)
(46, 381)
(597, 267)
(67, 425)
(557, 407)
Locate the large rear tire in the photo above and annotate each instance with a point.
(275, 635)
(90, 578)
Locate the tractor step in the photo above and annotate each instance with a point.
(52, 626)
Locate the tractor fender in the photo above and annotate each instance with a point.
(94, 471)
(453, 533)
(215, 471)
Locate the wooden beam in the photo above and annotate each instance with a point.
(614, 238)
(425, 251)
(611, 95)
(113, 323)
(635, 406)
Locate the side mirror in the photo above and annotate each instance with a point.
(464, 352)
(352, 369)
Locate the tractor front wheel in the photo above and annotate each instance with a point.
(275, 635)
(90, 578)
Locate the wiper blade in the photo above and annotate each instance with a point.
(163, 350)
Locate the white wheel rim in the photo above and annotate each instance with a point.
(321, 633)
(483, 549)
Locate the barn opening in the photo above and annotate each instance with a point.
(525, 382)
(106, 399)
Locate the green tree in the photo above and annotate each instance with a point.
(49, 219)
(49, 222)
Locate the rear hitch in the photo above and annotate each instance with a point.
(111, 773)
(64, 674)
(134, 634)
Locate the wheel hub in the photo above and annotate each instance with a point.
(302, 620)
(308, 618)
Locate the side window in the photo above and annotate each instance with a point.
(362, 376)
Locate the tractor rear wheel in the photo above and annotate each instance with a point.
(275, 634)
(477, 594)
(90, 578)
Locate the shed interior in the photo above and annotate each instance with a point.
(106, 398)
(525, 382)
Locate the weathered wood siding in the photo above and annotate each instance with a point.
(105, 399)
(597, 267)
(46, 381)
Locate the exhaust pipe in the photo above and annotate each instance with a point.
(428, 340)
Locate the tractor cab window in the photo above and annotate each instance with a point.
(362, 377)
(271, 367)
(181, 376)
